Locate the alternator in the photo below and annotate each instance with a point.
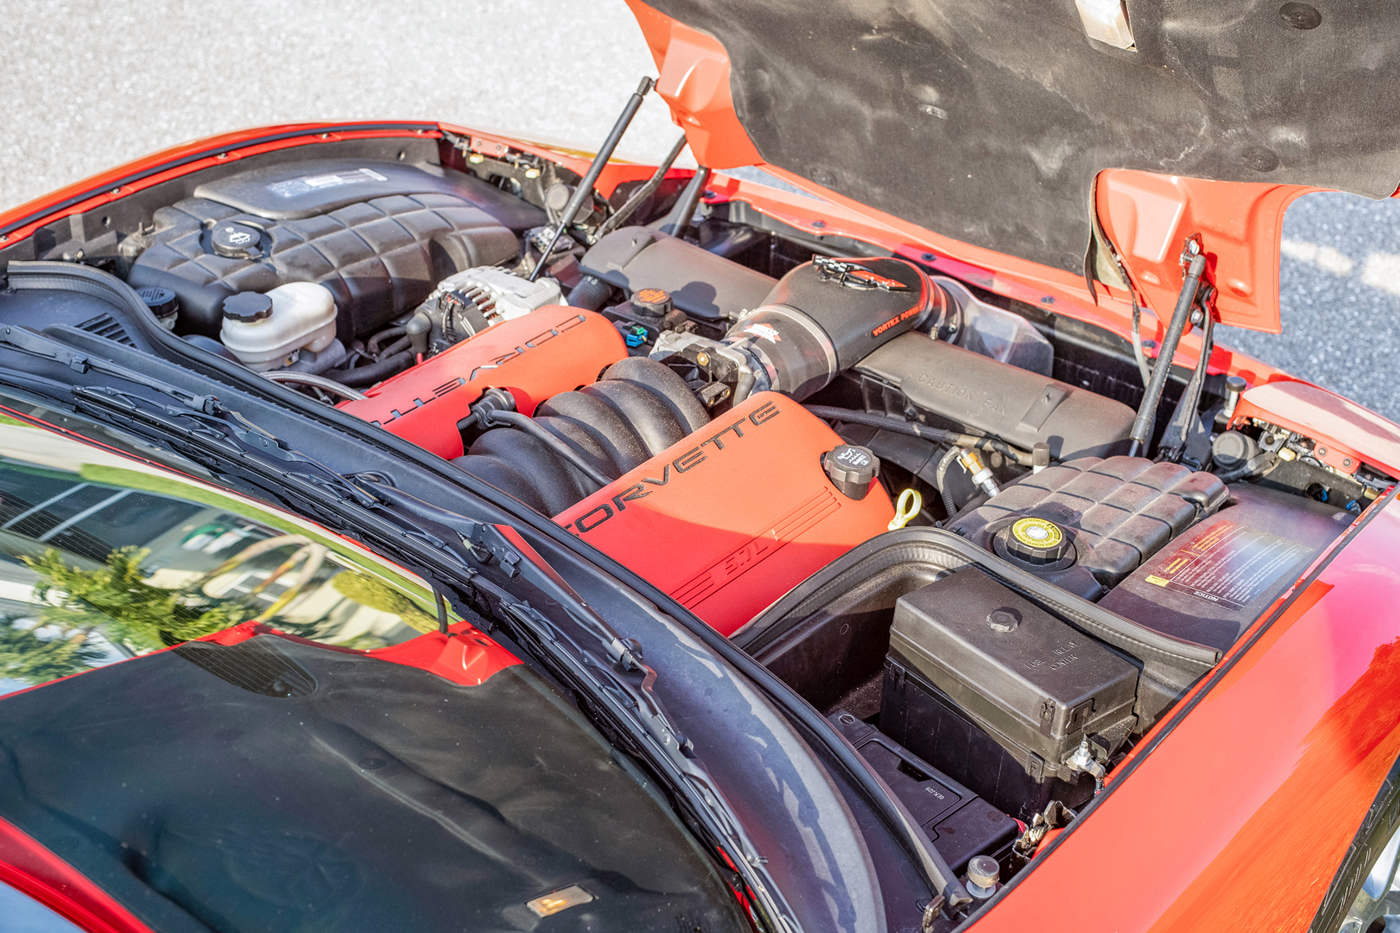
(469, 302)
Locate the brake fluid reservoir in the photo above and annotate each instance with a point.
(269, 331)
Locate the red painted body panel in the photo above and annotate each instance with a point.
(30, 867)
(1239, 817)
(1148, 217)
(465, 656)
(694, 82)
(735, 515)
(551, 350)
(1353, 435)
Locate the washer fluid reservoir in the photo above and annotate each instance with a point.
(269, 331)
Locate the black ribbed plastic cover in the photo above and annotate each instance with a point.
(1119, 511)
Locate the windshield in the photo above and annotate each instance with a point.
(104, 558)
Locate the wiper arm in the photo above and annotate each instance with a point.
(34, 343)
(222, 432)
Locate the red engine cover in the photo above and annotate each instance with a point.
(735, 515)
(550, 350)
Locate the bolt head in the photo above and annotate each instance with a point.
(983, 871)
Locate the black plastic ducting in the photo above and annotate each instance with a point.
(701, 284)
(634, 412)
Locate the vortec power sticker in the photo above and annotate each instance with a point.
(1228, 564)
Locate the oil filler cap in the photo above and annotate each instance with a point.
(1036, 541)
(851, 469)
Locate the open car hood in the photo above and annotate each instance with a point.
(992, 121)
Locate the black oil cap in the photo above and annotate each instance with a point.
(236, 241)
(247, 306)
(851, 469)
(651, 302)
(1036, 541)
(161, 301)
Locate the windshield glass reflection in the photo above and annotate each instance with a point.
(104, 558)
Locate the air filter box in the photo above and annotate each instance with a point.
(550, 350)
(735, 515)
(966, 650)
(969, 391)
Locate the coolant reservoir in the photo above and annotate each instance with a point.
(269, 331)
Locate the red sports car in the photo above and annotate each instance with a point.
(407, 527)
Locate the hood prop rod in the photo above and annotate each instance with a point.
(1194, 262)
(590, 178)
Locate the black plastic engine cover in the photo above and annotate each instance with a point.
(1118, 512)
(968, 390)
(1031, 682)
(298, 190)
(701, 283)
(379, 256)
(1212, 584)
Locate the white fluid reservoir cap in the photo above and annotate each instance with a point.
(1106, 21)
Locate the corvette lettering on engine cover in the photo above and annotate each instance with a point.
(734, 515)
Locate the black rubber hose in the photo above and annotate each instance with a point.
(376, 342)
(913, 429)
(590, 293)
(940, 479)
(395, 348)
(362, 376)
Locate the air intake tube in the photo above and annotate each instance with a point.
(822, 317)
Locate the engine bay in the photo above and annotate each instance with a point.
(927, 507)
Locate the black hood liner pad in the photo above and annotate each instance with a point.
(364, 796)
(987, 120)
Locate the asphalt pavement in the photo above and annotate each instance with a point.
(85, 86)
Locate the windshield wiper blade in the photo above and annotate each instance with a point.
(34, 343)
(224, 433)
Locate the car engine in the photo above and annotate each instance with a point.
(918, 502)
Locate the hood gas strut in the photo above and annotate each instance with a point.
(1193, 260)
(585, 185)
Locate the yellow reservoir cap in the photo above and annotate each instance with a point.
(1037, 533)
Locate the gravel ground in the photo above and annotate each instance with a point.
(89, 85)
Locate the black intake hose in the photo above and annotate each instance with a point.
(369, 374)
(634, 412)
(912, 428)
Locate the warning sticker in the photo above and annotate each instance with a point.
(1228, 564)
(295, 186)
